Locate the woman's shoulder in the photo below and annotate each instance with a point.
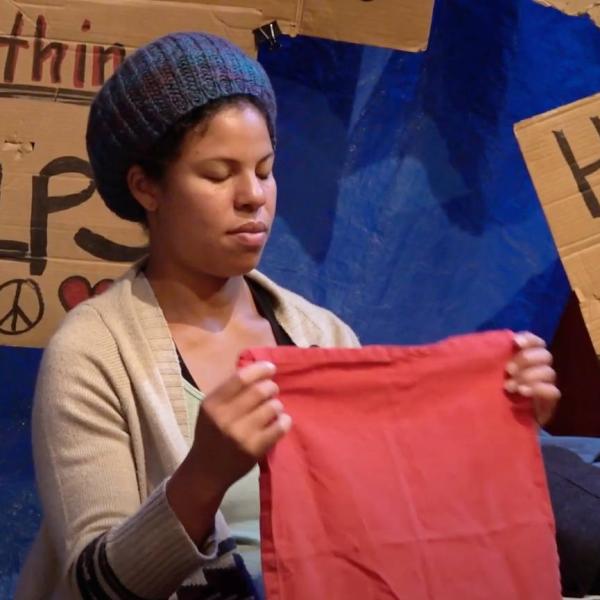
(88, 325)
(307, 323)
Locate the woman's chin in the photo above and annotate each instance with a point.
(249, 266)
(250, 261)
(239, 267)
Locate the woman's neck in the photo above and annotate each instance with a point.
(199, 299)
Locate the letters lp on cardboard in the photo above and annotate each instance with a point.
(562, 152)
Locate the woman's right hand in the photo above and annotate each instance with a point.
(238, 423)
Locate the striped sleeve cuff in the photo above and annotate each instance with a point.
(148, 556)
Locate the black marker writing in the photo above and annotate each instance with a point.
(581, 173)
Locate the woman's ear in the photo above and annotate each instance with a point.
(144, 189)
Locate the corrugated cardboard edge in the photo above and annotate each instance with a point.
(554, 112)
(575, 8)
(402, 25)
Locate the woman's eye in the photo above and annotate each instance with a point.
(215, 177)
(264, 175)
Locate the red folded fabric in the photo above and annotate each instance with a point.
(408, 474)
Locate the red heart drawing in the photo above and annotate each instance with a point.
(76, 289)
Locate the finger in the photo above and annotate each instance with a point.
(545, 402)
(533, 375)
(243, 379)
(227, 413)
(263, 415)
(526, 359)
(265, 440)
(253, 397)
(535, 390)
(526, 339)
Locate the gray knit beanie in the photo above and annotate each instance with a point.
(155, 87)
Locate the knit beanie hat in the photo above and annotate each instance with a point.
(155, 87)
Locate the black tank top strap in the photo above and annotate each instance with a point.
(264, 304)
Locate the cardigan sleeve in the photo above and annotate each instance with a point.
(110, 541)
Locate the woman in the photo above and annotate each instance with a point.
(142, 426)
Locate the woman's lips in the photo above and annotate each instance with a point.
(251, 235)
(251, 227)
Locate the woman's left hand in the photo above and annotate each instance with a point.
(531, 375)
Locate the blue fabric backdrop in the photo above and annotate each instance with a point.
(404, 203)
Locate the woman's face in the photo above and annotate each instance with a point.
(216, 202)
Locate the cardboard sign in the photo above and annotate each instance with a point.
(576, 8)
(59, 244)
(57, 239)
(562, 152)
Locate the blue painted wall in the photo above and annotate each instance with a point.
(19, 511)
(404, 203)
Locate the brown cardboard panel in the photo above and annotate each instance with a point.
(562, 152)
(576, 7)
(399, 24)
(571, 7)
(72, 77)
(54, 228)
(585, 273)
(31, 307)
(391, 24)
(53, 128)
(130, 23)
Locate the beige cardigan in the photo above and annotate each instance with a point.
(110, 426)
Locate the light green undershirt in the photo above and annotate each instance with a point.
(241, 505)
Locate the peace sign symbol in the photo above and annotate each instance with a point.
(21, 306)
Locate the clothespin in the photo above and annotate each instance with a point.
(268, 34)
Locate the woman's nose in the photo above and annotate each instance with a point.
(250, 193)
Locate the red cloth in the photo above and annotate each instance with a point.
(407, 474)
